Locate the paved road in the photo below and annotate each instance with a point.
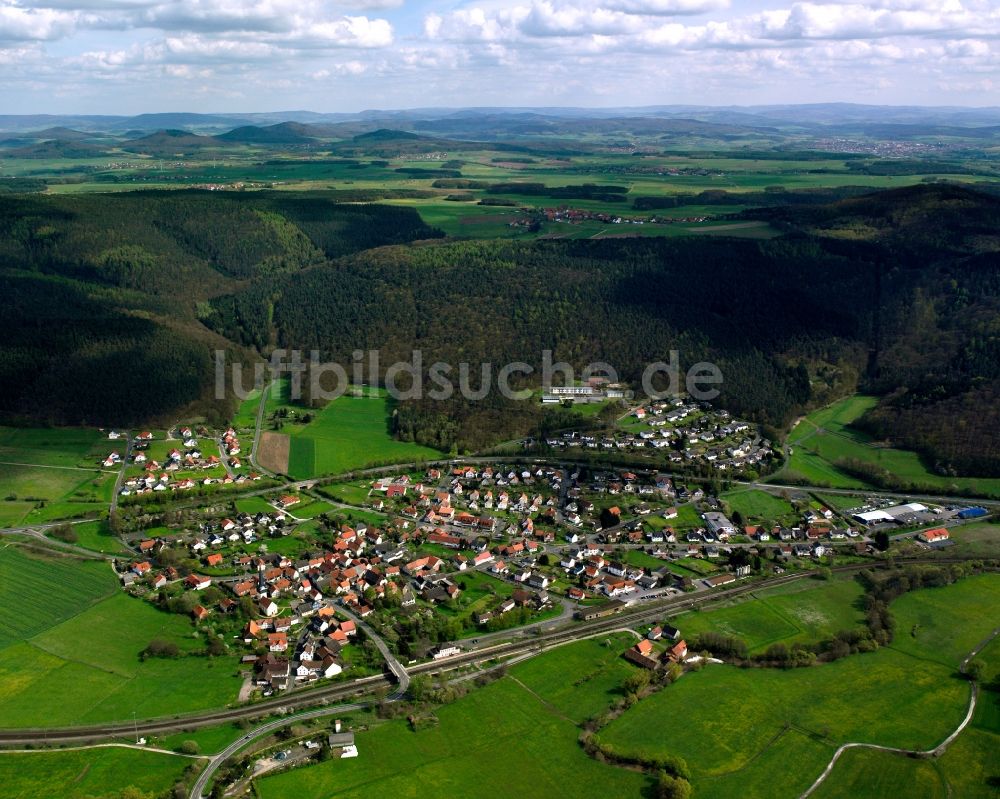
(56, 545)
(397, 668)
(121, 472)
(402, 684)
(198, 789)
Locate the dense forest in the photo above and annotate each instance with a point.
(113, 303)
(100, 295)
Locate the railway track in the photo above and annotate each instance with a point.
(368, 686)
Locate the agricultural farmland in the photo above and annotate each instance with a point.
(38, 593)
(52, 473)
(805, 611)
(968, 769)
(82, 665)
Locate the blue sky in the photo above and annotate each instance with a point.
(132, 56)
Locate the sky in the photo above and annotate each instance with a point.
(135, 56)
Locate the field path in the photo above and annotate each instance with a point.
(50, 466)
(937, 751)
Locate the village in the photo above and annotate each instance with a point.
(687, 433)
(441, 561)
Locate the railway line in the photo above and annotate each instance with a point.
(371, 686)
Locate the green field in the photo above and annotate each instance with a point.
(944, 624)
(505, 739)
(733, 715)
(803, 611)
(756, 507)
(869, 772)
(97, 536)
(82, 665)
(697, 565)
(975, 540)
(824, 437)
(209, 739)
(581, 679)
(53, 473)
(88, 773)
(38, 593)
(737, 720)
(349, 433)
(963, 771)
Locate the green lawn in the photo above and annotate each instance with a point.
(85, 774)
(310, 510)
(687, 518)
(501, 740)
(824, 437)
(698, 565)
(349, 433)
(636, 557)
(254, 505)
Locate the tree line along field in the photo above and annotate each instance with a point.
(824, 437)
(52, 473)
(70, 647)
(520, 733)
(741, 727)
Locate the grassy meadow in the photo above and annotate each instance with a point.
(349, 433)
(825, 436)
(53, 473)
(70, 645)
(521, 731)
(803, 611)
(88, 773)
(741, 725)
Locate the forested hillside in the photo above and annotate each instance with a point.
(112, 303)
(100, 295)
(893, 293)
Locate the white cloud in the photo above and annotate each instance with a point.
(494, 51)
(18, 24)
